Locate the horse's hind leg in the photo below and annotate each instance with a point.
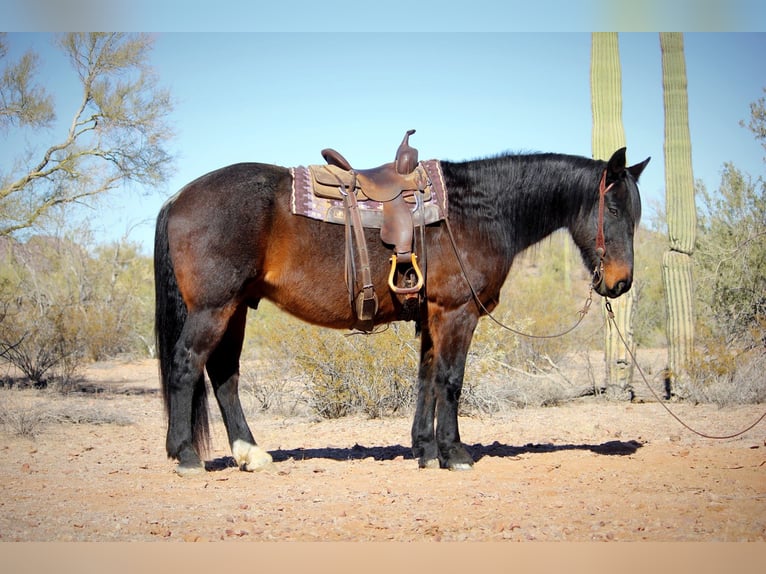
(185, 394)
(223, 370)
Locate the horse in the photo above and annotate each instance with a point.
(228, 239)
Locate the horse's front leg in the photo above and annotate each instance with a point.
(443, 356)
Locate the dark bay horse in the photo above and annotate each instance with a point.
(228, 240)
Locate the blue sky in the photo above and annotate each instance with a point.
(282, 97)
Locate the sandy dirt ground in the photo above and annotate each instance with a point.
(590, 470)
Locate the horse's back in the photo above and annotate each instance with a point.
(225, 189)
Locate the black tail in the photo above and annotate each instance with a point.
(170, 314)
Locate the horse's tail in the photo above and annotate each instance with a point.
(170, 314)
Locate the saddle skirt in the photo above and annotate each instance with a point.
(315, 193)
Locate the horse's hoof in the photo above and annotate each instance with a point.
(186, 470)
(250, 457)
(429, 464)
(457, 458)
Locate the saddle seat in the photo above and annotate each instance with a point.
(388, 184)
(381, 183)
(388, 181)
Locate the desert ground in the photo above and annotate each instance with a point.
(93, 468)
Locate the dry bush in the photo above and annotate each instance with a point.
(722, 376)
(333, 373)
(267, 387)
(28, 415)
(372, 374)
(47, 351)
(63, 305)
(24, 418)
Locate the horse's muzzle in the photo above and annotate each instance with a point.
(619, 288)
(612, 281)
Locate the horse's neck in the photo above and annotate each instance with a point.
(515, 202)
(548, 204)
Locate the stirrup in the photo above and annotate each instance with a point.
(405, 290)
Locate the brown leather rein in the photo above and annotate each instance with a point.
(603, 189)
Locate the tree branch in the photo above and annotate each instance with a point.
(110, 127)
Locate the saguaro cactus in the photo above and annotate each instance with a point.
(608, 136)
(679, 204)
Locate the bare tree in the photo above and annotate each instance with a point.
(117, 132)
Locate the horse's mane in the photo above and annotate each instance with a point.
(518, 198)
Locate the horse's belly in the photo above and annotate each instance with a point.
(319, 295)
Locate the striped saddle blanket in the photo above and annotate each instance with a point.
(316, 194)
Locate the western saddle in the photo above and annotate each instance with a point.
(395, 185)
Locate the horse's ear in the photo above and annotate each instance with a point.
(637, 170)
(616, 164)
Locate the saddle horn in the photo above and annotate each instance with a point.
(406, 155)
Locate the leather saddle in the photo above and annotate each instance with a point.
(388, 185)
(396, 185)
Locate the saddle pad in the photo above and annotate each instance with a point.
(305, 202)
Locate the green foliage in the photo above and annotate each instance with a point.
(757, 123)
(731, 259)
(64, 305)
(116, 134)
(730, 270)
(24, 102)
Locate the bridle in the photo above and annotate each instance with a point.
(603, 189)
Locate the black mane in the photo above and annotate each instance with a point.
(521, 198)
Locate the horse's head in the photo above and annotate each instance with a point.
(605, 233)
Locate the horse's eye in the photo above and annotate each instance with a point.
(614, 211)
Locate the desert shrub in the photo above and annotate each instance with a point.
(730, 261)
(340, 374)
(22, 418)
(723, 374)
(43, 351)
(28, 414)
(269, 388)
(730, 294)
(348, 374)
(63, 304)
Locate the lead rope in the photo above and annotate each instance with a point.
(582, 312)
(613, 323)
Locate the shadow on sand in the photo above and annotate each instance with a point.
(478, 451)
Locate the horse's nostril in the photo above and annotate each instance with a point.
(620, 287)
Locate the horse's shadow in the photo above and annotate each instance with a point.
(477, 451)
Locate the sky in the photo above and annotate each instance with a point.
(280, 97)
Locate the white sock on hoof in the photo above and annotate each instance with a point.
(250, 457)
(187, 471)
